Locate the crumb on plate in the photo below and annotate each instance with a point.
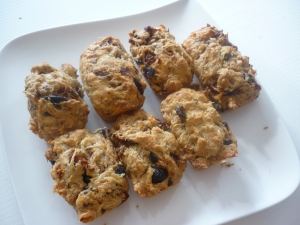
(224, 163)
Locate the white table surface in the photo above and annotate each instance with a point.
(268, 27)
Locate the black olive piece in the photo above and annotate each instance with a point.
(102, 131)
(138, 61)
(216, 106)
(159, 175)
(230, 93)
(226, 125)
(148, 72)
(52, 162)
(153, 157)
(226, 57)
(120, 169)
(227, 142)
(138, 85)
(170, 182)
(56, 99)
(180, 113)
(86, 178)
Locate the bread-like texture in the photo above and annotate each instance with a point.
(149, 151)
(87, 173)
(198, 128)
(163, 62)
(110, 78)
(55, 101)
(226, 75)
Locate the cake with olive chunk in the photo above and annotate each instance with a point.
(163, 62)
(198, 127)
(55, 101)
(87, 173)
(149, 152)
(228, 78)
(110, 78)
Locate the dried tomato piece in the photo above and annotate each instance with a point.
(180, 113)
(101, 73)
(125, 71)
(149, 57)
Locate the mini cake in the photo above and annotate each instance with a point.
(164, 63)
(198, 128)
(55, 101)
(110, 78)
(87, 173)
(148, 151)
(228, 78)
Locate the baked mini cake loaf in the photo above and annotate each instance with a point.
(110, 78)
(55, 101)
(198, 128)
(149, 152)
(163, 62)
(87, 173)
(228, 78)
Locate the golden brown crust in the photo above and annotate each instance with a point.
(55, 101)
(151, 155)
(164, 63)
(198, 128)
(87, 173)
(110, 78)
(226, 75)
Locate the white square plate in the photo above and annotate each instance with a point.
(265, 172)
